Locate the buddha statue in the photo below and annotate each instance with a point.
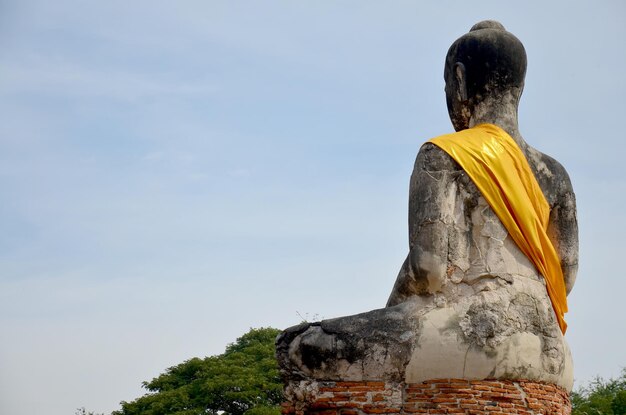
(469, 302)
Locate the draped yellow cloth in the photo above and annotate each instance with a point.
(496, 164)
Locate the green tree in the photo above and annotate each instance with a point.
(601, 397)
(242, 380)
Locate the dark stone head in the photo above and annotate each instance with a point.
(486, 62)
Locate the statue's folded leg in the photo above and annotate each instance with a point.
(369, 346)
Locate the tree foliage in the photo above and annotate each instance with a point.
(601, 397)
(242, 380)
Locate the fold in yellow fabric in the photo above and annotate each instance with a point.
(496, 164)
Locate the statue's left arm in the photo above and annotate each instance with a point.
(432, 183)
(563, 229)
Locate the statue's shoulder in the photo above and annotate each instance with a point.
(432, 158)
(550, 174)
(552, 178)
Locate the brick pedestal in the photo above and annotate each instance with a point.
(438, 396)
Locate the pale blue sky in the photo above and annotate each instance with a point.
(174, 173)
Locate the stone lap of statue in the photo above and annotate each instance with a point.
(467, 303)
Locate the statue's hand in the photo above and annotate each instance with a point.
(427, 266)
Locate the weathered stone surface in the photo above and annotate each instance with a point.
(373, 345)
(467, 303)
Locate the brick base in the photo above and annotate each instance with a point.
(438, 396)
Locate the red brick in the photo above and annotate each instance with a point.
(416, 386)
(368, 388)
(344, 397)
(348, 384)
(463, 389)
(435, 397)
(427, 405)
(448, 405)
(499, 397)
(326, 412)
(417, 400)
(416, 396)
(443, 400)
(491, 395)
(322, 405)
(372, 409)
(345, 394)
(445, 381)
(470, 407)
(448, 395)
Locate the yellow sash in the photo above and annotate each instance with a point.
(499, 169)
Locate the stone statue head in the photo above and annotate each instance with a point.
(486, 63)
